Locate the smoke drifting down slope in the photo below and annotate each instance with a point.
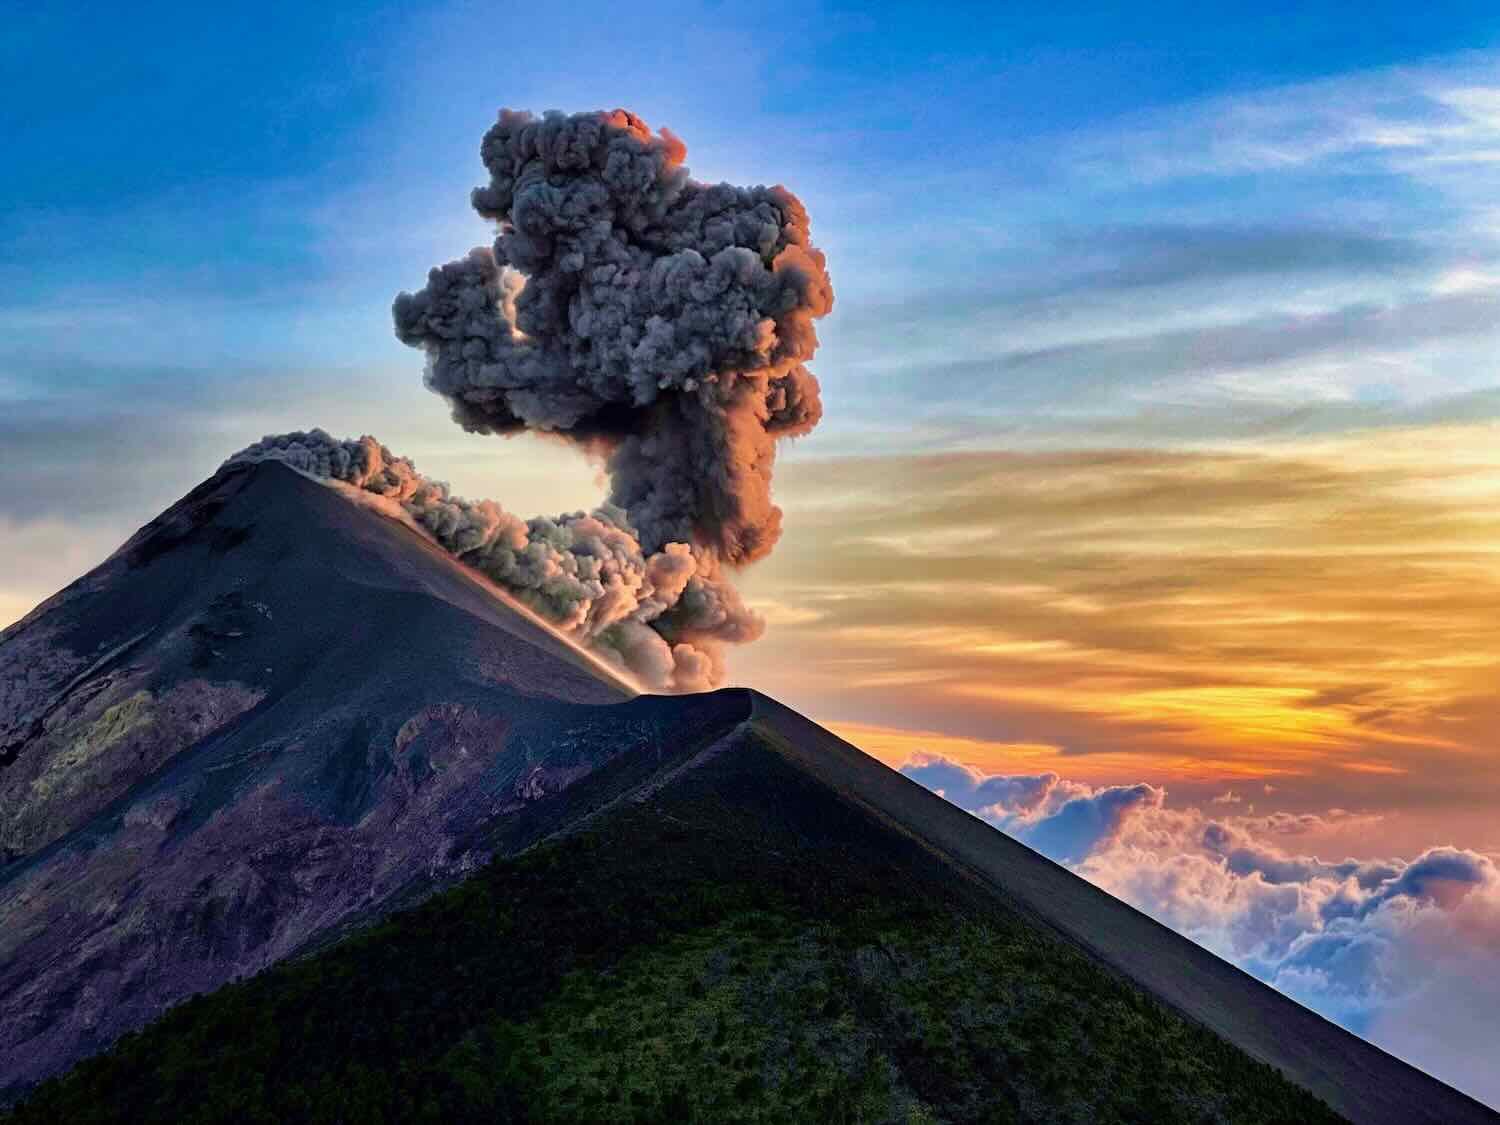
(664, 616)
(660, 324)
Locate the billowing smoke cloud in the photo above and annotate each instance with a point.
(658, 321)
(660, 324)
(663, 616)
(1403, 951)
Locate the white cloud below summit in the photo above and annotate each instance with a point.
(1403, 951)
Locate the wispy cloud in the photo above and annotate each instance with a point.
(1305, 258)
(1284, 360)
(1429, 121)
(1325, 611)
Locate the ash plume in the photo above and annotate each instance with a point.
(663, 616)
(660, 324)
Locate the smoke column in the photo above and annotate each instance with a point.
(660, 324)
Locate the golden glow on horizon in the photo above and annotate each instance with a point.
(13, 608)
(897, 747)
(1328, 609)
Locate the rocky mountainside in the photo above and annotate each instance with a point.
(282, 731)
(270, 711)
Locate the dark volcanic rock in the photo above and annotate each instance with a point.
(271, 712)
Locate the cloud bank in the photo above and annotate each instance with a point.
(659, 324)
(1405, 951)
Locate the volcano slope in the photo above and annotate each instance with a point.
(271, 710)
(273, 718)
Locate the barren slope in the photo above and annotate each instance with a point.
(271, 709)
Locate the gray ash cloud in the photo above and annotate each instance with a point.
(657, 321)
(660, 324)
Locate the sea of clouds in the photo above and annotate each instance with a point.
(1402, 950)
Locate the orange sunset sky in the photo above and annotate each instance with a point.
(1320, 617)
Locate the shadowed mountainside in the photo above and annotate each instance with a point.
(272, 709)
(275, 716)
(724, 938)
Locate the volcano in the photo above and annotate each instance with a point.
(301, 819)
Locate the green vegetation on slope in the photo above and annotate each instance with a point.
(746, 947)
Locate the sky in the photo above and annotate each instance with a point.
(1153, 514)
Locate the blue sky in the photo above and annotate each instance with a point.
(204, 211)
